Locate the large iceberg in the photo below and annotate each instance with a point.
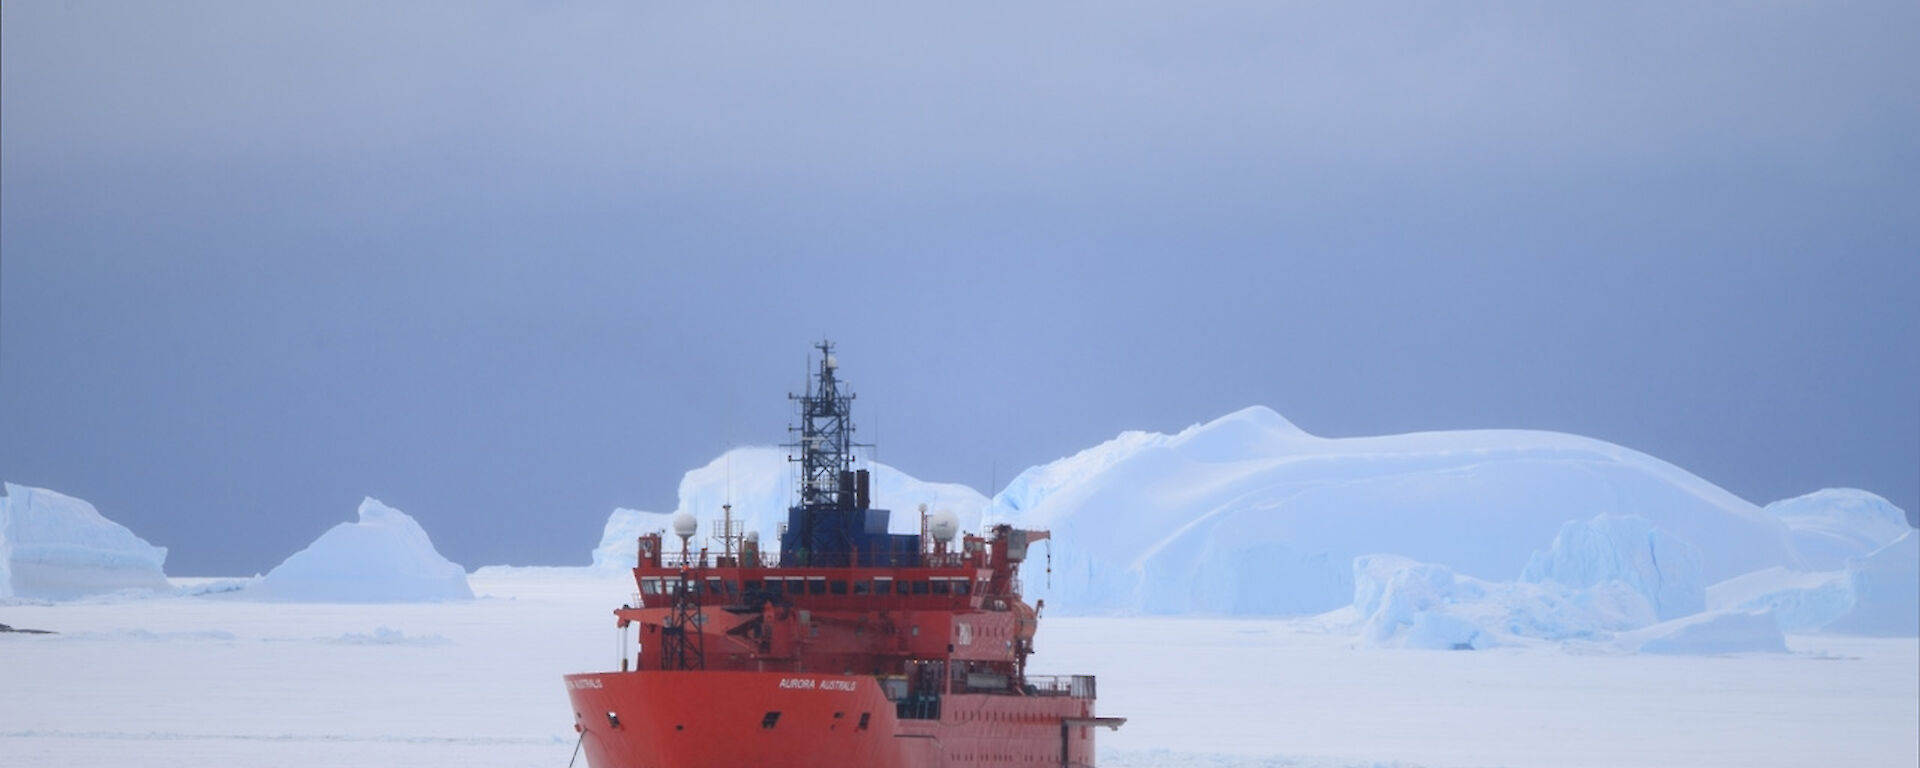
(57, 547)
(1833, 525)
(1249, 514)
(385, 557)
(758, 482)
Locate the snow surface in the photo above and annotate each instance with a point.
(173, 682)
(1834, 525)
(1248, 514)
(57, 547)
(758, 482)
(385, 557)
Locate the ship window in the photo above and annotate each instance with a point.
(733, 587)
(864, 717)
(919, 587)
(796, 585)
(862, 587)
(883, 586)
(961, 587)
(838, 587)
(772, 719)
(940, 587)
(817, 585)
(713, 586)
(650, 586)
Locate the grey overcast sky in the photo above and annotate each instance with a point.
(509, 265)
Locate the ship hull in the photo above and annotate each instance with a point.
(717, 719)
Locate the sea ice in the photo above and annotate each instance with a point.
(57, 547)
(385, 557)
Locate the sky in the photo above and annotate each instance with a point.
(507, 266)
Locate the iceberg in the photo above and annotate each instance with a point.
(385, 557)
(618, 540)
(1886, 591)
(1878, 594)
(1249, 514)
(758, 482)
(1628, 549)
(1798, 600)
(57, 547)
(1833, 525)
(1402, 603)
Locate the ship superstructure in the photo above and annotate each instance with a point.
(850, 646)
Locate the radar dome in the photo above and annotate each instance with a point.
(684, 525)
(943, 525)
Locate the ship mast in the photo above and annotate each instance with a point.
(826, 437)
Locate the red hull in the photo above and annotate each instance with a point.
(715, 719)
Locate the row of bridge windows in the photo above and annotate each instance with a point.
(800, 585)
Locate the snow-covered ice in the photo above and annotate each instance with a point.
(174, 681)
(1248, 514)
(384, 557)
(57, 547)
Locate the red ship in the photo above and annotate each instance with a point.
(851, 646)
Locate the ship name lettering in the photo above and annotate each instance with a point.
(801, 683)
(589, 682)
(836, 685)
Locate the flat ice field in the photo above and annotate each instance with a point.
(212, 680)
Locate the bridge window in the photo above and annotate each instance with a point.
(919, 587)
(817, 585)
(940, 587)
(961, 587)
(837, 587)
(862, 587)
(883, 586)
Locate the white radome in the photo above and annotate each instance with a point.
(944, 525)
(684, 525)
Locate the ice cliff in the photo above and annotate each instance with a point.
(57, 547)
